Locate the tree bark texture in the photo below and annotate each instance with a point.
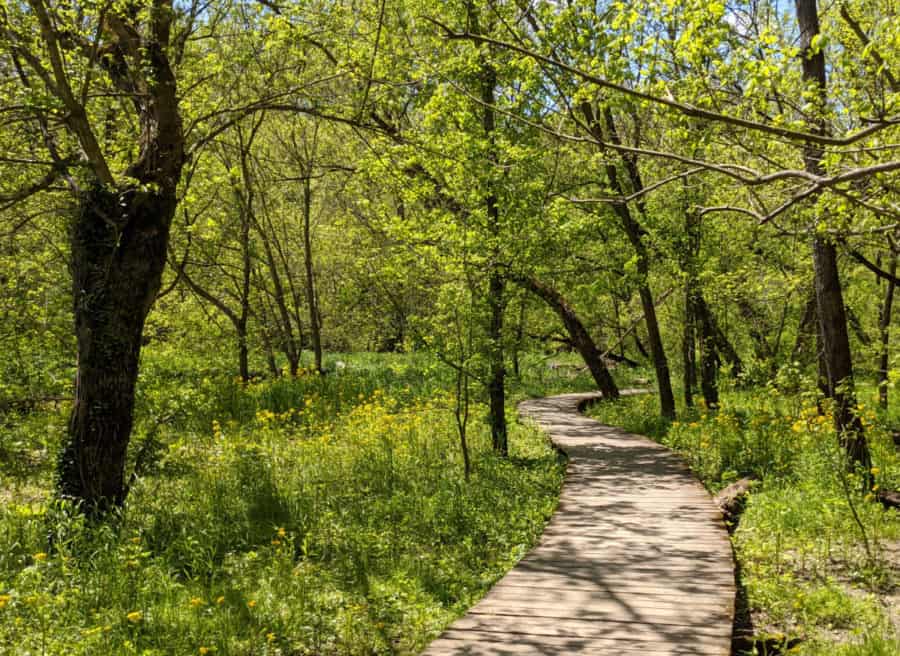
(496, 283)
(835, 341)
(119, 242)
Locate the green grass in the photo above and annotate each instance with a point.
(322, 515)
(803, 555)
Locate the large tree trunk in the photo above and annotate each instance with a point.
(119, 239)
(836, 358)
(578, 334)
(119, 243)
(884, 334)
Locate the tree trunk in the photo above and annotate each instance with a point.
(709, 360)
(496, 283)
(635, 233)
(660, 364)
(241, 325)
(578, 334)
(119, 243)
(311, 297)
(836, 357)
(688, 347)
(690, 252)
(884, 334)
(290, 344)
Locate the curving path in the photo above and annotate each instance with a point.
(636, 559)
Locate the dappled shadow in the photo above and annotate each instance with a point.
(635, 560)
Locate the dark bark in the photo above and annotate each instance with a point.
(290, 344)
(578, 334)
(496, 283)
(709, 361)
(884, 334)
(497, 382)
(119, 242)
(836, 357)
(311, 297)
(244, 313)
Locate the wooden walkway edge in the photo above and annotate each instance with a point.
(636, 559)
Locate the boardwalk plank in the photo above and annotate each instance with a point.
(636, 559)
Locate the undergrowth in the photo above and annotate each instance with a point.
(320, 515)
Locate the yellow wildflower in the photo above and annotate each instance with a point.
(251, 603)
(134, 616)
(204, 651)
(40, 557)
(282, 533)
(196, 602)
(270, 637)
(4, 600)
(875, 471)
(220, 600)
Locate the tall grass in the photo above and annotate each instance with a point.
(321, 515)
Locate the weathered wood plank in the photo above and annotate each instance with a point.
(636, 559)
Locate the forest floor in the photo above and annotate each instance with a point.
(329, 514)
(319, 515)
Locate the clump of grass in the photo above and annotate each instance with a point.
(282, 525)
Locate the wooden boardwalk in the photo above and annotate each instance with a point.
(636, 559)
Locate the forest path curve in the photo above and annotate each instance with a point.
(635, 560)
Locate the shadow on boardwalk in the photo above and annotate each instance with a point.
(636, 559)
